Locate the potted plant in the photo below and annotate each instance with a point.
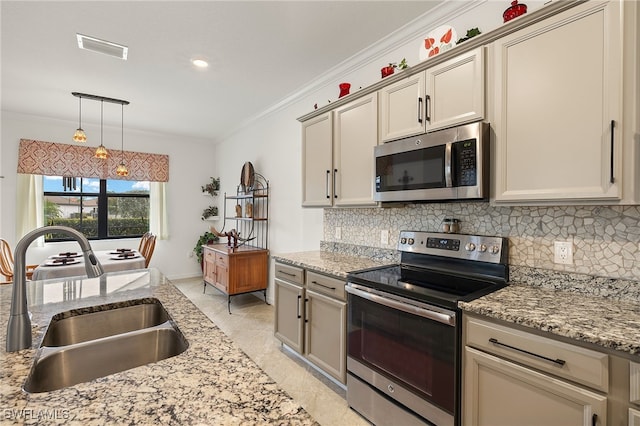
(210, 211)
(212, 187)
(206, 238)
(388, 70)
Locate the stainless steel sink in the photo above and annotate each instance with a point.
(64, 330)
(87, 356)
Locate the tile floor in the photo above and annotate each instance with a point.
(251, 327)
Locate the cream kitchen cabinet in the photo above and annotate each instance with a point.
(311, 317)
(444, 95)
(499, 392)
(337, 155)
(557, 107)
(511, 374)
(317, 161)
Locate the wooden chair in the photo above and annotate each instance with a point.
(147, 244)
(6, 263)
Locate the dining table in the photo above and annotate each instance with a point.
(71, 264)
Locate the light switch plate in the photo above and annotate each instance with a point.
(384, 236)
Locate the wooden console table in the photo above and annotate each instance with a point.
(235, 270)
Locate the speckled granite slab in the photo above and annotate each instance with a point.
(212, 383)
(336, 264)
(606, 322)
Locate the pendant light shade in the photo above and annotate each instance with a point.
(79, 135)
(101, 151)
(121, 170)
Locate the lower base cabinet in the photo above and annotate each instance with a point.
(514, 376)
(311, 317)
(499, 392)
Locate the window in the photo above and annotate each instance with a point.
(99, 208)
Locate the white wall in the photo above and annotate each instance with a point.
(273, 142)
(191, 163)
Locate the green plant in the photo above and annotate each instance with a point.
(212, 187)
(206, 238)
(209, 211)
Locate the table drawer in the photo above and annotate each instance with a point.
(290, 273)
(576, 363)
(326, 285)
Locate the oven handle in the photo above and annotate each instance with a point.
(402, 304)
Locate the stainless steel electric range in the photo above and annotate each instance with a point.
(404, 326)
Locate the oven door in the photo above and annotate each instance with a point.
(405, 349)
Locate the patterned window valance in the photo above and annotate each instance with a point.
(58, 159)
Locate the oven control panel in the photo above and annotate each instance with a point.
(461, 246)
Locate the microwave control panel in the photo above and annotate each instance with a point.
(466, 168)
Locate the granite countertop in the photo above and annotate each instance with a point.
(593, 310)
(606, 322)
(336, 264)
(212, 382)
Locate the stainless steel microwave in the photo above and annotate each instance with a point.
(450, 164)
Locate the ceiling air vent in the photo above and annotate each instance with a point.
(102, 46)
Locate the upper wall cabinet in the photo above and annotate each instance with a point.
(317, 161)
(337, 155)
(557, 87)
(447, 94)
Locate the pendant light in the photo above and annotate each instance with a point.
(101, 151)
(121, 170)
(79, 135)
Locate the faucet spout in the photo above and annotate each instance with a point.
(19, 325)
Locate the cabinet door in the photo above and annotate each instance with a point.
(325, 334)
(557, 93)
(402, 108)
(497, 392)
(222, 273)
(209, 266)
(455, 91)
(355, 136)
(317, 161)
(289, 309)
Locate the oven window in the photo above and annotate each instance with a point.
(404, 347)
(417, 169)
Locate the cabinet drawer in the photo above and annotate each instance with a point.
(326, 285)
(290, 273)
(209, 256)
(222, 260)
(581, 365)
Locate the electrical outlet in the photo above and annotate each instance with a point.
(338, 233)
(563, 252)
(384, 236)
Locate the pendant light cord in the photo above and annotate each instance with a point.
(101, 116)
(122, 135)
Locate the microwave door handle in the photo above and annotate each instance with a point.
(447, 166)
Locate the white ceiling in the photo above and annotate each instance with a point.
(259, 52)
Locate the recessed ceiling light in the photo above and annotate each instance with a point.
(102, 46)
(200, 63)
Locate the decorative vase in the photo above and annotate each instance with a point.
(344, 89)
(386, 71)
(514, 11)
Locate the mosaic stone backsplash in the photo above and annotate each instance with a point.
(606, 239)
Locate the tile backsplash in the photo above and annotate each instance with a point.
(606, 239)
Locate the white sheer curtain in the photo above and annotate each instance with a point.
(29, 205)
(158, 220)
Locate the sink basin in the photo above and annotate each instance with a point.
(75, 354)
(68, 330)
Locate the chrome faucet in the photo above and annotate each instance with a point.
(19, 325)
